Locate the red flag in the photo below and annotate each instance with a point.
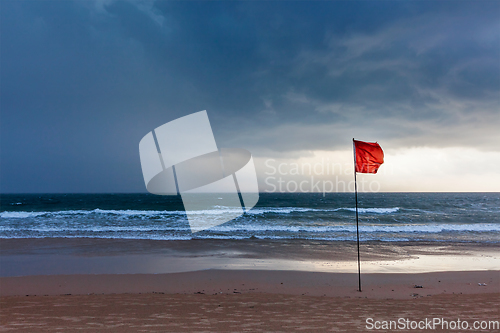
(369, 156)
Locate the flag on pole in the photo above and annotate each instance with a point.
(369, 156)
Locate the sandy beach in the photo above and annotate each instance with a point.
(408, 282)
(247, 312)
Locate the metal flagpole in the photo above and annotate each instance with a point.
(357, 224)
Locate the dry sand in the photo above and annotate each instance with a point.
(231, 313)
(238, 301)
(379, 286)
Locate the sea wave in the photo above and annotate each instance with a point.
(433, 228)
(97, 211)
(365, 238)
(253, 228)
(374, 210)
(219, 210)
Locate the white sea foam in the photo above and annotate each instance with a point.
(257, 228)
(232, 237)
(374, 210)
(97, 211)
(21, 215)
(436, 228)
(219, 210)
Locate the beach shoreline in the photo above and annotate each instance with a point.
(61, 256)
(104, 266)
(241, 285)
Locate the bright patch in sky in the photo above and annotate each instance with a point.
(404, 170)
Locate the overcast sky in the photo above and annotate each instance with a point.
(293, 82)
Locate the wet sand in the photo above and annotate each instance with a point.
(21, 257)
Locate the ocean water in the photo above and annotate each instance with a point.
(388, 217)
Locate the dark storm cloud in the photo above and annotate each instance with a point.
(82, 82)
